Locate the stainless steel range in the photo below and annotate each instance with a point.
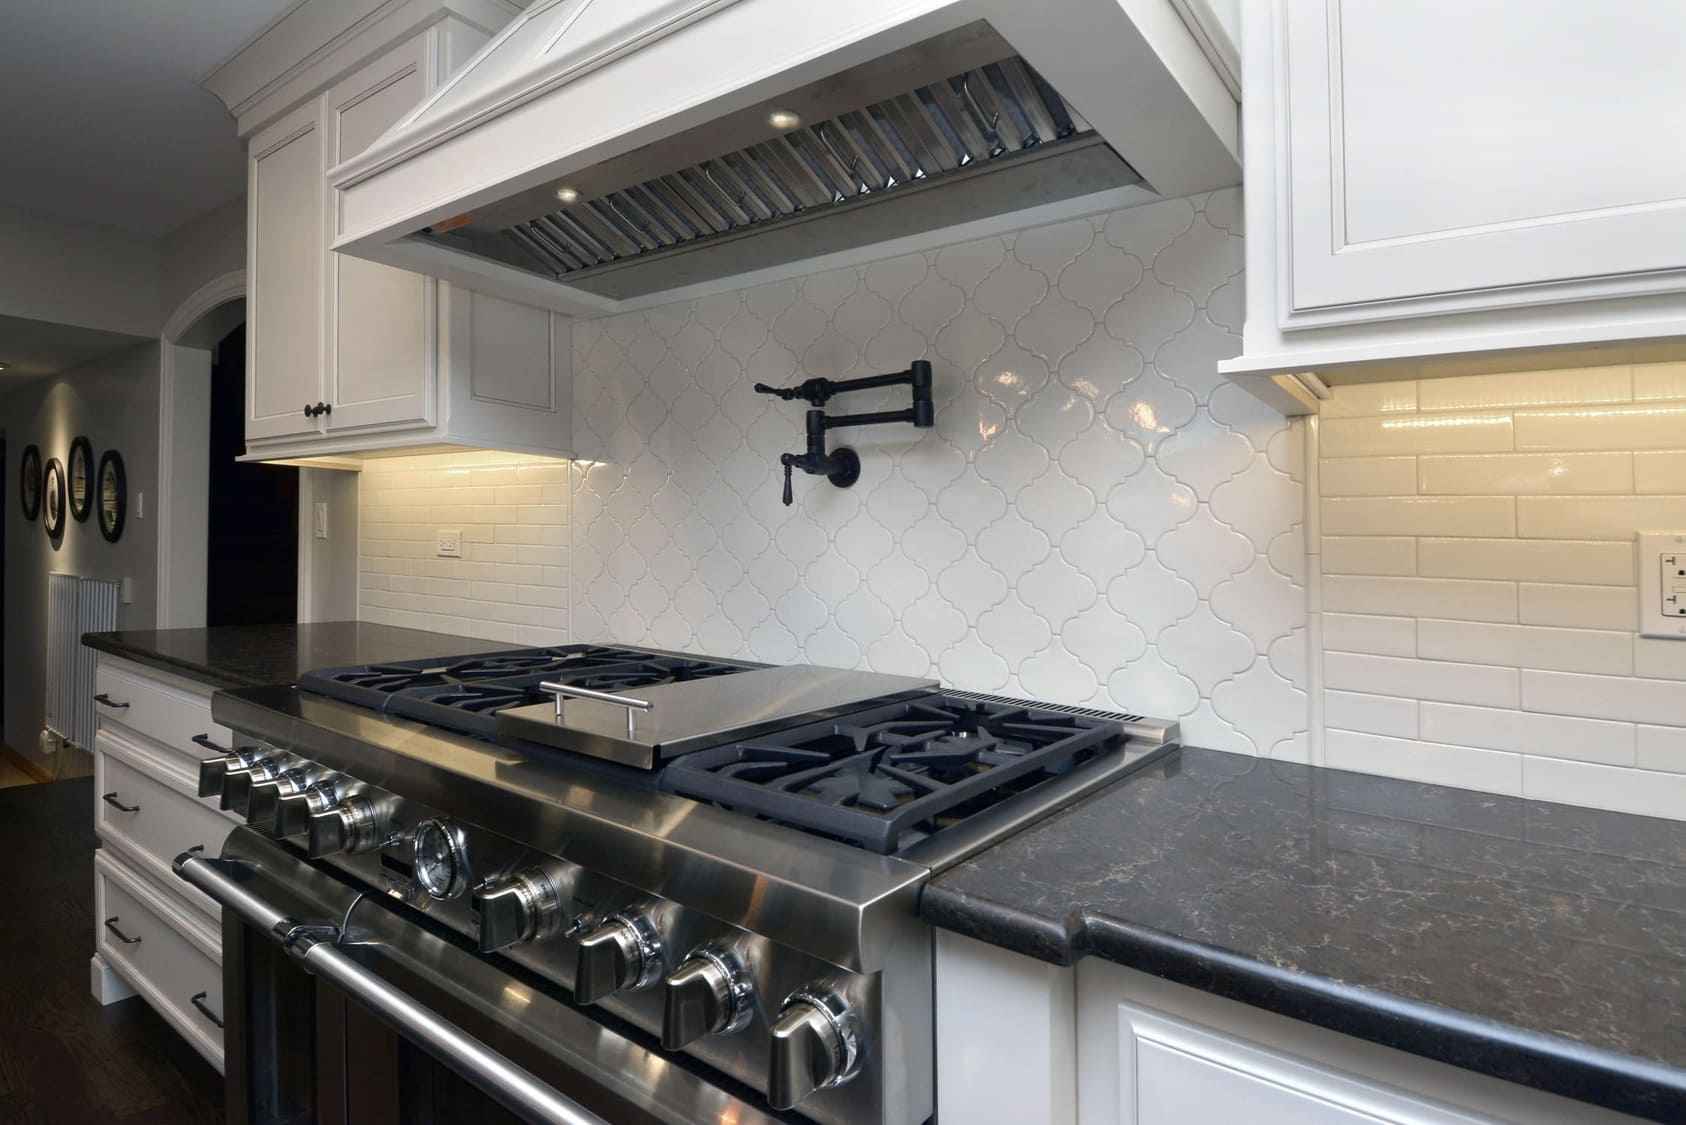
(706, 871)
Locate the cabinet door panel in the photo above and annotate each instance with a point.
(1463, 156)
(382, 321)
(284, 313)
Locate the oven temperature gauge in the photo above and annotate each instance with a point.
(441, 859)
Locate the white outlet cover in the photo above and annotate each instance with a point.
(450, 543)
(1661, 568)
(320, 511)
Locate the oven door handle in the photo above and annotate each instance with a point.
(315, 947)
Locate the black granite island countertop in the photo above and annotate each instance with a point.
(1539, 943)
(256, 655)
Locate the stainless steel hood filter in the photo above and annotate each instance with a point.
(985, 139)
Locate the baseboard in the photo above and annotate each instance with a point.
(24, 764)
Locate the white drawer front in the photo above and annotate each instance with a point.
(160, 711)
(158, 957)
(163, 824)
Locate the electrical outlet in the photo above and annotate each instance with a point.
(1662, 584)
(321, 518)
(450, 543)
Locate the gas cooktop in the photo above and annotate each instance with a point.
(887, 778)
(465, 693)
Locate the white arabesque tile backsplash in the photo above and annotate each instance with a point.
(1097, 517)
(1478, 606)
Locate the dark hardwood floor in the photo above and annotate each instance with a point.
(63, 1057)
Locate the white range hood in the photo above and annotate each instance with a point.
(599, 152)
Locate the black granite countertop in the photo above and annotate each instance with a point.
(1540, 943)
(255, 655)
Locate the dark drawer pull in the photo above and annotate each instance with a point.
(107, 701)
(111, 799)
(205, 741)
(111, 924)
(198, 1001)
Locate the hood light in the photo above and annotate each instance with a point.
(783, 120)
(568, 194)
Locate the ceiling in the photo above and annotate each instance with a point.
(105, 120)
(32, 348)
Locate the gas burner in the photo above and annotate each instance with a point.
(465, 693)
(894, 776)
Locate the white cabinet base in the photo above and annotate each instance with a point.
(1026, 1042)
(106, 985)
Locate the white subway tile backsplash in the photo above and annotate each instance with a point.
(1357, 400)
(1579, 607)
(1643, 792)
(1369, 554)
(1662, 748)
(1600, 517)
(1659, 381)
(1447, 682)
(1419, 515)
(1526, 646)
(1418, 433)
(1618, 698)
(1418, 591)
(1637, 426)
(1382, 636)
(1463, 599)
(1465, 767)
(1498, 473)
(1370, 714)
(1660, 472)
(1527, 560)
(1369, 476)
(1527, 388)
(1490, 728)
(1662, 659)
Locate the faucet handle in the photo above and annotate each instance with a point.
(789, 463)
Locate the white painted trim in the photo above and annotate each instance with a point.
(1312, 515)
(214, 293)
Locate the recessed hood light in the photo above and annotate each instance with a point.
(568, 194)
(783, 120)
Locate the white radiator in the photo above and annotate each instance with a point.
(75, 606)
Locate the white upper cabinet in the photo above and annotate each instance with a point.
(284, 274)
(380, 365)
(1448, 177)
(347, 356)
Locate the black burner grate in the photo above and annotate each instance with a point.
(464, 694)
(886, 779)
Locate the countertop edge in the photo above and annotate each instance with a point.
(1558, 1065)
(109, 643)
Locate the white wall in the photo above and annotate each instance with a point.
(113, 402)
(79, 274)
(1479, 609)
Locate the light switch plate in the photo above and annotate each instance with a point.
(1662, 584)
(450, 544)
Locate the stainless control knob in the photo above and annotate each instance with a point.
(622, 954)
(293, 811)
(356, 825)
(265, 796)
(709, 994)
(527, 906)
(815, 1045)
(237, 784)
(213, 770)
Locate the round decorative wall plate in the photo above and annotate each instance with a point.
(29, 481)
(53, 502)
(113, 489)
(80, 484)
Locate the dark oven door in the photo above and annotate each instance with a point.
(342, 1011)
